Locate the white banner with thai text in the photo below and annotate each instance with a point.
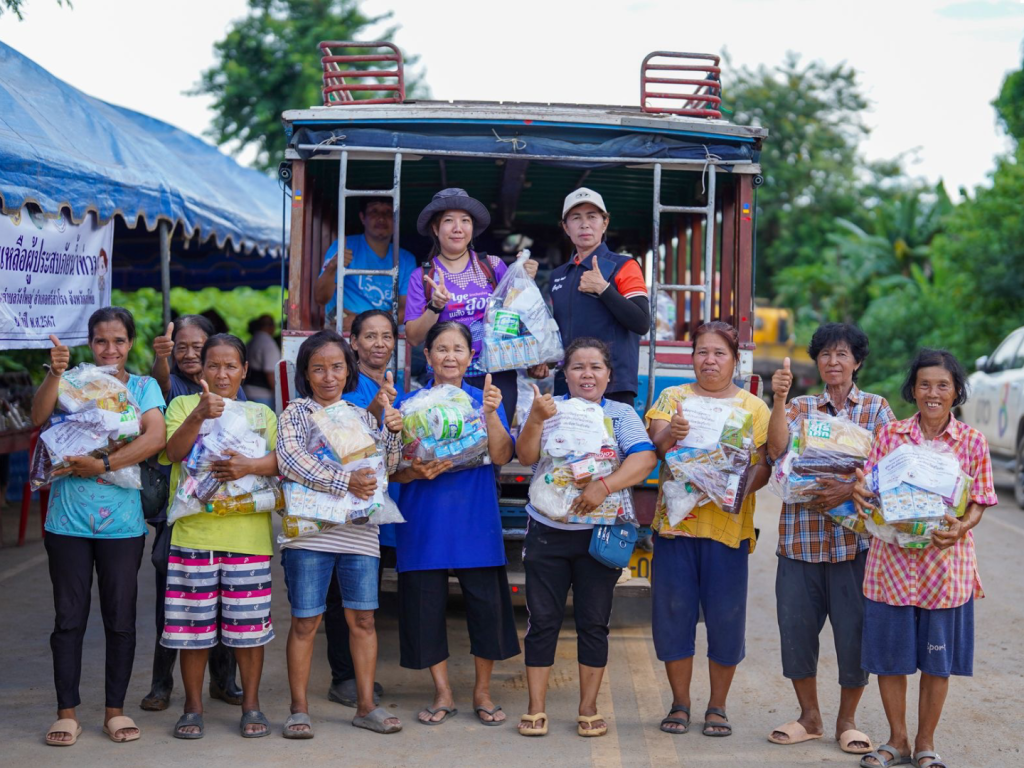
(53, 275)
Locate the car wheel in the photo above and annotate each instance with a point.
(1018, 474)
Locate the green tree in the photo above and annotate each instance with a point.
(812, 167)
(15, 7)
(269, 62)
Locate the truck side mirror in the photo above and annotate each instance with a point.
(981, 363)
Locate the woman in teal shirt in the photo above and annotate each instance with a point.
(93, 524)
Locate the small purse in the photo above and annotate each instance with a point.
(612, 545)
(155, 491)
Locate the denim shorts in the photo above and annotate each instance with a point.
(901, 639)
(307, 575)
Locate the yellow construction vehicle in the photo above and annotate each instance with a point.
(774, 340)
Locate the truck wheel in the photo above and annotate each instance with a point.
(1018, 474)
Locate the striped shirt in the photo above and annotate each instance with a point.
(804, 533)
(630, 438)
(298, 464)
(930, 578)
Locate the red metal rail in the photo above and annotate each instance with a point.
(702, 101)
(339, 68)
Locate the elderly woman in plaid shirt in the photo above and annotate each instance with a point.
(821, 564)
(919, 612)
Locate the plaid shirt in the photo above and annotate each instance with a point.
(930, 578)
(804, 533)
(298, 464)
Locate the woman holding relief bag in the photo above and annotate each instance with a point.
(91, 524)
(227, 555)
(556, 554)
(326, 370)
(453, 523)
(455, 281)
(707, 547)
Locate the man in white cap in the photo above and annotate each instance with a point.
(600, 293)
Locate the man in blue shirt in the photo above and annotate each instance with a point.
(370, 250)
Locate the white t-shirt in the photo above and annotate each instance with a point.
(263, 355)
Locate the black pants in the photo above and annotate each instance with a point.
(808, 593)
(506, 382)
(339, 652)
(423, 632)
(556, 560)
(117, 561)
(222, 658)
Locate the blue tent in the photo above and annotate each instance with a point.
(60, 148)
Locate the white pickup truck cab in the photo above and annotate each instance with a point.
(996, 406)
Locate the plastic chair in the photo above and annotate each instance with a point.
(26, 498)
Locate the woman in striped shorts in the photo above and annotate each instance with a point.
(218, 573)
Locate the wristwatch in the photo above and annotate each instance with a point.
(435, 310)
(106, 463)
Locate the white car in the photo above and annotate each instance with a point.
(996, 406)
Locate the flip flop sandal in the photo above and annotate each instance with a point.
(449, 712)
(590, 721)
(490, 712)
(189, 718)
(723, 723)
(536, 730)
(121, 723)
(64, 725)
(298, 718)
(798, 734)
(254, 717)
(846, 738)
(894, 757)
(936, 761)
(669, 720)
(374, 721)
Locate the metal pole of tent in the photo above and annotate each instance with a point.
(165, 268)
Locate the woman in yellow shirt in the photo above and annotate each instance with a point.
(700, 564)
(218, 573)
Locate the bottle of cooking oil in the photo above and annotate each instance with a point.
(266, 500)
(293, 527)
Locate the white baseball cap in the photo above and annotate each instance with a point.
(580, 196)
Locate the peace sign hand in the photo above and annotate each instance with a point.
(441, 296)
(60, 357)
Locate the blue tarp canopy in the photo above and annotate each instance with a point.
(60, 148)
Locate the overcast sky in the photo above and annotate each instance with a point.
(929, 67)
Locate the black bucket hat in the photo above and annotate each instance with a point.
(454, 199)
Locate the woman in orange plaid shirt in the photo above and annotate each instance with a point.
(919, 612)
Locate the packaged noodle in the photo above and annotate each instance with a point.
(241, 429)
(917, 486)
(578, 447)
(443, 423)
(822, 447)
(340, 438)
(519, 330)
(96, 414)
(715, 456)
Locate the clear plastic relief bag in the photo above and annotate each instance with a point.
(443, 423)
(519, 329)
(95, 415)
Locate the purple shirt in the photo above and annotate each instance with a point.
(469, 289)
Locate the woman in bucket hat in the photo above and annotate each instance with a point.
(455, 281)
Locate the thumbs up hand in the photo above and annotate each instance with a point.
(544, 406)
(782, 382)
(163, 346)
(492, 396)
(60, 357)
(211, 405)
(393, 419)
(592, 281)
(679, 426)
